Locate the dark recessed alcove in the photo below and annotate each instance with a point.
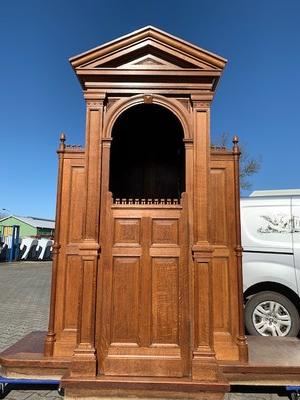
(147, 154)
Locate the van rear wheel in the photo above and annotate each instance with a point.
(271, 314)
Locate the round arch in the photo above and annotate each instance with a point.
(147, 157)
(172, 105)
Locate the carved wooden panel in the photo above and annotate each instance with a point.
(219, 208)
(221, 296)
(72, 289)
(127, 231)
(125, 300)
(76, 205)
(201, 304)
(164, 231)
(165, 298)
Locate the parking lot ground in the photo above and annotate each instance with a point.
(24, 307)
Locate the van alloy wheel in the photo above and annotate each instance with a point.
(271, 319)
(271, 314)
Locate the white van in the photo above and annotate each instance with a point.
(270, 223)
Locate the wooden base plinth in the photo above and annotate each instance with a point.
(272, 361)
(96, 395)
(206, 371)
(115, 387)
(25, 359)
(205, 367)
(83, 365)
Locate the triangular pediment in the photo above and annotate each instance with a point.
(148, 48)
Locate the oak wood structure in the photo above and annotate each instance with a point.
(146, 291)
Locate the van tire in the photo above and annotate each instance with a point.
(260, 324)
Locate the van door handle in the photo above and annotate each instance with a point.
(293, 224)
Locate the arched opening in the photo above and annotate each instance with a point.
(147, 154)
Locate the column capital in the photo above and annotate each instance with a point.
(201, 101)
(94, 100)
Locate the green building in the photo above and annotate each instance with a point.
(29, 226)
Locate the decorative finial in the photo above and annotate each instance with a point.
(235, 142)
(62, 139)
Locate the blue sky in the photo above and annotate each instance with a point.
(258, 97)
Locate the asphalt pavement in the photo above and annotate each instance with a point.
(24, 307)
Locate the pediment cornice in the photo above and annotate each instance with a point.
(148, 48)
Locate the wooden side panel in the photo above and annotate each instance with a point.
(221, 298)
(71, 292)
(76, 204)
(224, 267)
(201, 290)
(69, 268)
(219, 203)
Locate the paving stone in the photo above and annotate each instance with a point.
(24, 299)
(257, 396)
(32, 395)
(248, 396)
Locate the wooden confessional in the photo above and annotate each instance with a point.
(146, 293)
(147, 287)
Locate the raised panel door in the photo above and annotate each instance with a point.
(143, 326)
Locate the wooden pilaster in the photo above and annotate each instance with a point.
(84, 358)
(204, 364)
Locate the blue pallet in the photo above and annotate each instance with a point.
(21, 381)
(295, 392)
(4, 381)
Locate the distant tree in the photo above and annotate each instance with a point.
(249, 165)
(3, 213)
